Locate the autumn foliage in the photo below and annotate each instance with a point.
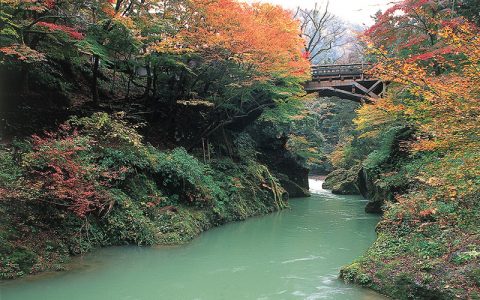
(64, 175)
(262, 36)
(439, 88)
(187, 72)
(62, 28)
(434, 90)
(428, 170)
(431, 57)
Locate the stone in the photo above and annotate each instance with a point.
(343, 182)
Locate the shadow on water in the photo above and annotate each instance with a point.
(292, 254)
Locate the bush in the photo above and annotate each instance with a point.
(349, 273)
(464, 257)
(385, 150)
(475, 276)
(183, 174)
(63, 170)
(10, 171)
(128, 224)
(93, 182)
(245, 147)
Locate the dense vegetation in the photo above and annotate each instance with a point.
(323, 124)
(135, 122)
(58, 55)
(94, 182)
(147, 122)
(418, 151)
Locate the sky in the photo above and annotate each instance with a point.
(353, 11)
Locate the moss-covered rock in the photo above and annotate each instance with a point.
(294, 190)
(407, 262)
(343, 182)
(291, 169)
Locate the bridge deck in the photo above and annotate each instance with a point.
(345, 81)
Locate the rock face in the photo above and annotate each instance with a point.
(293, 189)
(343, 182)
(293, 175)
(376, 196)
(371, 174)
(290, 169)
(355, 181)
(185, 124)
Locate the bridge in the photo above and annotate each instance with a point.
(350, 82)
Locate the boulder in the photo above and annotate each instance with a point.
(343, 182)
(293, 189)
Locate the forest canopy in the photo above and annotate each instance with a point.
(219, 51)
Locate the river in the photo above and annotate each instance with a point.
(292, 254)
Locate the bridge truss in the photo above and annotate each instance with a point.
(347, 82)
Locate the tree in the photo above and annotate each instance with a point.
(26, 25)
(110, 29)
(258, 36)
(434, 60)
(470, 9)
(215, 50)
(322, 31)
(237, 56)
(409, 27)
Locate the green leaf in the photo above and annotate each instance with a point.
(90, 46)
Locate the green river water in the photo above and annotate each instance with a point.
(292, 254)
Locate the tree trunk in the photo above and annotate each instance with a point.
(96, 64)
(154, 83)
(130, 77)
(25, 79)
(149, 82)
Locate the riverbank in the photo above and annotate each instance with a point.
(428, 239)
(94, 183)
(290, 254)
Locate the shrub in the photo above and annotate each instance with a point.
(93, 182)
(75, 166)
(364, 279)
(62, 169)
(10, 171)
(349, 273)
(186, 176)
(117, 143)
(245, 147)
(388, 140)
(464, 257)
(128, 224)
(475, 276)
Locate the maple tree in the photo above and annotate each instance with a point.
(25, 23)
(215, 66)
(434, 91)
(240, 58)
(422, 143)
(433, 101)
(66, 179)
(233, 54)
(432, 67)
(262, 36)
(181, 44)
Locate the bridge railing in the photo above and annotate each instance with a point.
(339, 70)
